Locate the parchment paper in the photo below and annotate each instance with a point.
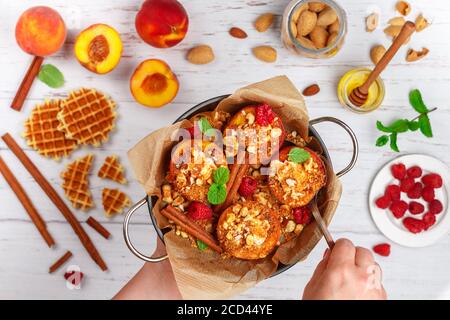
(206, 275)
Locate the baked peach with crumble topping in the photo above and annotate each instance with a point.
(296, 176)
(192, 166)
(248, 230)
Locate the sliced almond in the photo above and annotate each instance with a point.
(403, 8)
(414, 55)
(376, 53)
(397, 21)
(392, 31)
(421, 23)
(264, 22)
(306, 22)
(306, 42)
(326, 17)
(316, 6)
(372, 22)
(265, 53)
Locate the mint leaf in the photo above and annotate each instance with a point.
(51, 76)
(217, 194)
(415, 98)
(400, 125)
(298, 155)
(393, 144)
(425, 126)
(204, 125)
(201, 245)
(221, 175)
(381, 141)
(413, 125)
(383, 128)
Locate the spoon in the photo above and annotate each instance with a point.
(322, 226)
(359, 95)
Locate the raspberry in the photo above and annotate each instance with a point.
(414, 172)
(414, 225)
(406, 184)
(433, 180)
(199, 211)
(429, 219)
(264, 115)
(247, 187)
(393, 192)
(74, 277)
(415, 192)
(191, 131)
(435, 206)
(383, 249)
(398, 208)
(416, 207)
(302, 215)
(383, 202)
(398, 171)
(428, 194)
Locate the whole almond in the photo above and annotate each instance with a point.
(414, 55)
(319, 37)
(265, 53)
(297, 12)
(202, 54)
(372, 22)
(311, 90)
(306, 22)
(332, 38)
(421, 23)
(403, 8)
(316, 6)
(397, 21)
(305, 42)
(264, 22)
(238, 33)
(376, 53)
(334, 27)
(293, 27)
(326, 17)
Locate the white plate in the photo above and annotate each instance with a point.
(392, 227)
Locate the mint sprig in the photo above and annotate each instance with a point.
(422, 122)
(217, 194)
(51, 76)
(298, 155)
(221, 175)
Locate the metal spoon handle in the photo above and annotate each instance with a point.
(322, 226)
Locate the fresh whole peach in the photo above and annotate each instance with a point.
(162, 23)
(153, 84)
(40, 31)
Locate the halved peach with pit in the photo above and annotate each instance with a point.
(153, 84)
(98, 48)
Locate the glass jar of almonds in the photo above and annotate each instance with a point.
(315, 29)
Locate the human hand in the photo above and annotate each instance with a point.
(346, 273)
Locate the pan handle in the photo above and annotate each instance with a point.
(126, 234)
(352, 136)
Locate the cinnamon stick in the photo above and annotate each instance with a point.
(56, 199)
(27, 81)
(60, 262)
(26, 203)
(233, 185)
(191, 227)
(98, 227)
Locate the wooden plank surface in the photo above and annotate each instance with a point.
(408, 273)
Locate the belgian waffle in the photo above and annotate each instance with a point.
(114, 201)
(112, 169)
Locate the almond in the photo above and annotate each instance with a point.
(372, 22)
(316, 6)
(376, 53)
(305, 42)
(265, 53)
(334, 27)
(293, 27)
(326, 17)
(393, 31)
(403, 8)
(202, 54)
(414, 55)
(264, 22)
(397, 21)
(332, 38)
(306, 22)
(297, 12)
(311, 90)
(238, 33)
(421, 23)
(319, 37)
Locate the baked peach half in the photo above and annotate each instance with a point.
(153, 84)
(98, 48)
(259, 128)
(296, 176)
(191, 168)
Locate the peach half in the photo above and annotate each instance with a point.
(40, 31)
(153, 84)
(98, 48)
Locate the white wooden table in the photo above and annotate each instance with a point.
(24, 262)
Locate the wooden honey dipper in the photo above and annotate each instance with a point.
(359, 95)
